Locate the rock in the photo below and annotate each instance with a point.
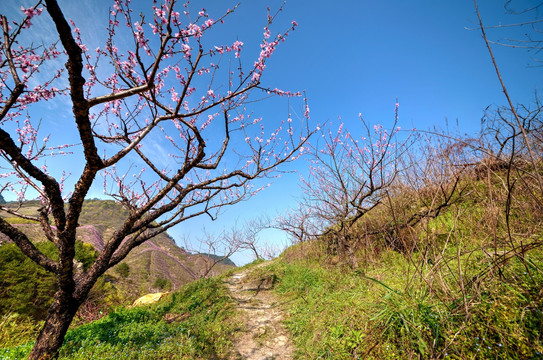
(149, 299)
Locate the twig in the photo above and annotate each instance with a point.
(504, 88)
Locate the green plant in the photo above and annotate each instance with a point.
(408, 324)
(123, 269)
(162, 284)
(194, 323)
(27, 289)
(85, 254)
(16, 329)
(16, 220)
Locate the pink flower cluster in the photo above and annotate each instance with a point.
(285, 93)
(268, 48)
(30, 13)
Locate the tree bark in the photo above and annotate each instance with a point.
(59, 318)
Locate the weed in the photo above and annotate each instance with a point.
(190, 324)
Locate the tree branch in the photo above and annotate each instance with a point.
(29, 249)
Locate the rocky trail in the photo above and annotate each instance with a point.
(264, 336)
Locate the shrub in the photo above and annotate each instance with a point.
(123, 270)
(194, 323)
(162, 284)
(28, 289)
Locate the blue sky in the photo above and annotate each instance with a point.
(356, 57)
(359, 56)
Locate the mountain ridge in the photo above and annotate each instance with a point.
(156, 265)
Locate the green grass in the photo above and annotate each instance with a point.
(390, 311)
(461, 293)
(16, 329)
(386, 310)
(17, 220)
(194, 323)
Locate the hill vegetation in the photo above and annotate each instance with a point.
(427, 247)
(193, 323)
(27, 289)
(467, 284)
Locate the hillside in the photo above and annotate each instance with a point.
(464, 282)
(157, 265)
(463, 289)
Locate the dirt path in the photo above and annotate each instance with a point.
(265, 337)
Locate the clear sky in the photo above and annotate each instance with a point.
(358, 56)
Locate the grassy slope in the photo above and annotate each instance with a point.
(193, 323)
(462, 294)
(159, 258)
(386, 313)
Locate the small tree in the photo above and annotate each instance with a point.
(153, 78)
(214, 249)
(348, 178)
(301, 224)
(123, 269)
(162, 284)
(230, 241)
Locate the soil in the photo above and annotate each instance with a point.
(264, 336)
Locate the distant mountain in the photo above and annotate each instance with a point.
(226, 261)
(157, 265)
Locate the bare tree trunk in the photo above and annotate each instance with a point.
(51, 336)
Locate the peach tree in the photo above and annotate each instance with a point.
(156, 81)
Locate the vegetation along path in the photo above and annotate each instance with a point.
(264, 336)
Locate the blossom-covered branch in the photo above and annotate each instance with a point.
(156, 115)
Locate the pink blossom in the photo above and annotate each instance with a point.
(237, 47)
(31, 12)
(175, 96)
(186, 49)
(195, 30)
(306, 113)
(256, 76)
